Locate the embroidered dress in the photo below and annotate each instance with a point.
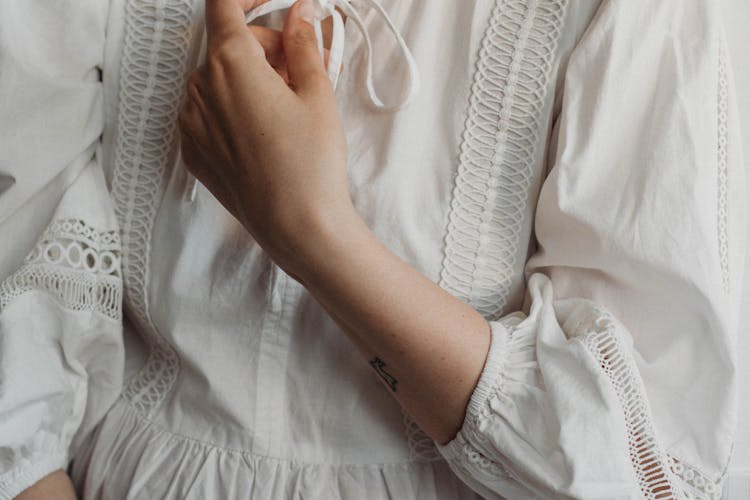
(570, 169)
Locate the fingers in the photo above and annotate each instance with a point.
(272, 44)
(224, 17)
(304, 64)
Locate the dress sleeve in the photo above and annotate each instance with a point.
(61, 352)
(619, 380)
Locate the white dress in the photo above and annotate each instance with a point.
(572, 170)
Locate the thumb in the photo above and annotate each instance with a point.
(304, 64)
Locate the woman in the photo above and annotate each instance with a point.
(612, 378)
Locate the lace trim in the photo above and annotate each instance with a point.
(78, 265)
(501, 140)
(650, 463)
(695, 484)
(421, 447)
(503, 134)
(723, 176)
(154, 60)
(489, 468)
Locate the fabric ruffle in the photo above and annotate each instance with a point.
(130, 454)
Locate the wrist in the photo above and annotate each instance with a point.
(325, 240)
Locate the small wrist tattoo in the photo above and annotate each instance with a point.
(379, 366)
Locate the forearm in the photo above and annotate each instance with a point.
(273, 151)
(428, 347)
(55, 486)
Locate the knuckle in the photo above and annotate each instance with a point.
(320, 84)
(231, 53)
(219, 57)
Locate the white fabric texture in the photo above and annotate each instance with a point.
(736, 16)
(61, 350)
(611, 372)
(641, 258)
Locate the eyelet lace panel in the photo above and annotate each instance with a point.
(723, 176)
(695, 484)
(78, 265)
(504, 132)
(650, 463)
(153, 71)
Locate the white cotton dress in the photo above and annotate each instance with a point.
(571, 169)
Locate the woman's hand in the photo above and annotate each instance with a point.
(271, 150)
(274, 154)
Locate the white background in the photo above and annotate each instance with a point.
(737, 22)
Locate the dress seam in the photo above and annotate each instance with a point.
(206, 444)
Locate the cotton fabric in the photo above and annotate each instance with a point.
(570, 169)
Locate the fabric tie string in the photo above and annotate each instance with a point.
(328, 8)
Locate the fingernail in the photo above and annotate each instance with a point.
(306, 10)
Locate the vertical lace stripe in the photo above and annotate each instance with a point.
(723, 176)
(504, 132)
(152, 79)
(651, 464)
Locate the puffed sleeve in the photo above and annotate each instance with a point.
(61, 350)
(619, 380)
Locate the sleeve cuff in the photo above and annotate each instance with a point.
(511, 351)
(26, 474)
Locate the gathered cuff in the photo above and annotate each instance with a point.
(28, 472)
(511, 360)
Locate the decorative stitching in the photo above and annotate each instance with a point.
(723, 176)
(154, 67)
(695, 484)
(421, 447)
(650, 463)
(78, 265)
(489, 467)
(504, 131)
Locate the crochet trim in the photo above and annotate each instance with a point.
(504, 131)
(154, 60)
(76, 264)
(695, 484)
(651, 464)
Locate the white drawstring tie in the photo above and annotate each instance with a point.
(323, 10)
(327, 8)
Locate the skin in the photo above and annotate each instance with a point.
(260, 130)
(54, 486)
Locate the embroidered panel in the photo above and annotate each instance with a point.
(152, 80)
